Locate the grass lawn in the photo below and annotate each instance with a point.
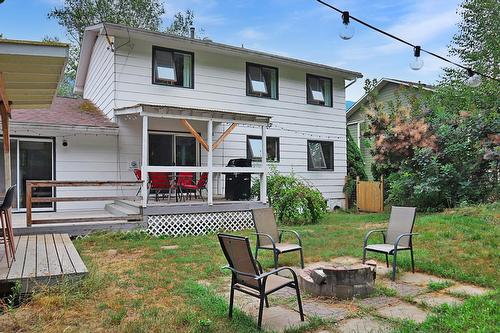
(135, 285)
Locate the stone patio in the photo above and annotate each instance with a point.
(412, 302)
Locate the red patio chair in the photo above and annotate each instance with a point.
(185, 180)
(138, 176)
(200, 185)
(160, 183)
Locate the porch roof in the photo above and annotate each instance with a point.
(177, 112)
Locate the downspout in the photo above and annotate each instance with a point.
(351, 83)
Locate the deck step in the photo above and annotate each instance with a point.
(102, 219)
(135, 205)
(121, 210)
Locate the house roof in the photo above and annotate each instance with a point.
(382, 83)
(64, 111)
(118, 30)
(32, 71)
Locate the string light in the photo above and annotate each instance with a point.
(346, 30)
(417, 63)
(473, 82)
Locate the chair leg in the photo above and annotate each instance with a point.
(4, 235)
(394, 265)
(231, 301)
(267, 302)
(412, 260)
(10, 231)
(364, 254)
(299, 301)
(301, 258)
(256, 252)
(387, 260)
(261, 308)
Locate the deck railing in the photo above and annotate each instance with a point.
(31, 184)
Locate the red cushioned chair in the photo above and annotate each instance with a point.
(200, 185)
(160, 183)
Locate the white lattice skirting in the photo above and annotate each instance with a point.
(198, 224)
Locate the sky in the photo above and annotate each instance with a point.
(302, 29)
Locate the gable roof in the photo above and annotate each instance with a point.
(381, 84)
(123, 31)
(64, 111)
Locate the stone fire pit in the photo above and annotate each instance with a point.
(342, 282)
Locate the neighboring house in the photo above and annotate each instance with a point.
(386, 90)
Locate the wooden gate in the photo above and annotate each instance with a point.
(370, 195)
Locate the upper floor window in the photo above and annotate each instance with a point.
(319, 155)
(254, 148)
(173, 67)
(319, 90)
(262, 81)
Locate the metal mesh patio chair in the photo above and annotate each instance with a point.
(397, 237)
(269, 236)
(248, 277)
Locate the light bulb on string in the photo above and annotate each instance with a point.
(417, 63)
(474, 79)
(346, 29)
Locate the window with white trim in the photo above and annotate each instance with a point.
(319, 90)
(319, 155)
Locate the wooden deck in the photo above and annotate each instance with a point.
(42, 259)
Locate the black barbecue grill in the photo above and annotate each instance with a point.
(238, 184)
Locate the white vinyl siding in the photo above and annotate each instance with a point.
(99, 85)
(221, 84)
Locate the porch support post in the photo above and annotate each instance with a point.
(145, 160)
(5, 114)
(210, 184)
(263, 175)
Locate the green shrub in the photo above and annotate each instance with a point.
(293, 201)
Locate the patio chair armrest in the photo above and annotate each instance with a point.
(274, 271)
(259, 266)
(410, 234)
(368, 234)
(234, 271)
(266, 235)
(292, 232)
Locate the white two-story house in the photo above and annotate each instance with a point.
(185, 105)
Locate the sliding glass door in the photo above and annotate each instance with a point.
(168, 149)
(31, 159)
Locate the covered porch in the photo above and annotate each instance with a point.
(169, 133)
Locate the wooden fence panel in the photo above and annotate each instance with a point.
(370, 195)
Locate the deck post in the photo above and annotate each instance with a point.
(210, 184)
(145, 160)
(263, 175)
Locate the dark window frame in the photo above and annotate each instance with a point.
(247, 80)
(311, 102)
(174, 134)
(259, 137)
(153, 76)
(332, 160)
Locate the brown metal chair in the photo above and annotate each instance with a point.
(7, 230)
(248, 277)
(397, 237)
(269, 236)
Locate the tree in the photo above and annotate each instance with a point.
(181, 23)
(442, 150)
(76, 15)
